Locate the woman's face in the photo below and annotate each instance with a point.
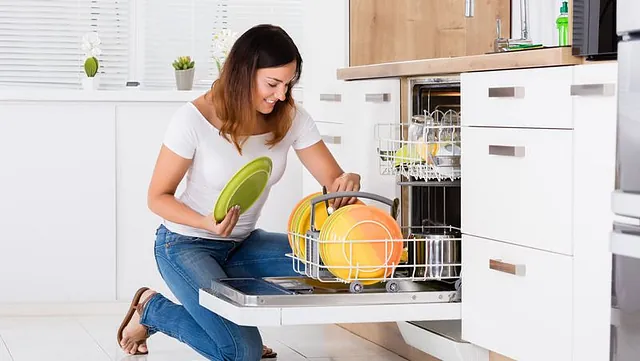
(271, 86)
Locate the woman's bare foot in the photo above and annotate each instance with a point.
(134, 335)
(267, 352)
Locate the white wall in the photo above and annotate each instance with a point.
(542, 17)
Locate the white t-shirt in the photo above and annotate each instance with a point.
(216, 160)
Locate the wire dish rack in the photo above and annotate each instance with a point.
(424, 253)
(427, 148)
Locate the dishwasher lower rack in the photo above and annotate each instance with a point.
(429, 253)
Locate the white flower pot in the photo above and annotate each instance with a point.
(90, 83)
(184, 79)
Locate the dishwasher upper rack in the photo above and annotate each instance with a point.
(426, 148)
(429, 253)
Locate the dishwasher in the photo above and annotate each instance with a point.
(421, 151)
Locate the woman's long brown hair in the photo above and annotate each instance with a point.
(263, 46)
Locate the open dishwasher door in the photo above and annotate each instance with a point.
(305, 301)
(424, 286)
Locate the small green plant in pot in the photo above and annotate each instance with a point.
(91, 48)
(184, 69)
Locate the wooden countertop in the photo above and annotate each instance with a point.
(455, 65)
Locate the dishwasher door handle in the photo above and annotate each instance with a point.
(507, 150)
(510, 268)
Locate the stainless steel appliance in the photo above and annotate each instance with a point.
(625, 237)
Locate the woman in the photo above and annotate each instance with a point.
(248, 113)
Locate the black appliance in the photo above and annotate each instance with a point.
(594, 29)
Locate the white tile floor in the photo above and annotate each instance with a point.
(92, 338)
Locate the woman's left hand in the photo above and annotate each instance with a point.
(347, 182)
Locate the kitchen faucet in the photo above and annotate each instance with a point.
(525, 36)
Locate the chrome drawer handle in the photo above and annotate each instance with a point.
(507, 92)
(605, 90)
(513, 269)
(507, 150)
(331, 97)
(377, 98)
(332, 139)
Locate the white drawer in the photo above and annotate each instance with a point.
(326, 102)
(535, 98)
(517, 186)
(517, 301)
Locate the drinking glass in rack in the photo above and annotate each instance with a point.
(427, 148)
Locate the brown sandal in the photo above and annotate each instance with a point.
(135, 306)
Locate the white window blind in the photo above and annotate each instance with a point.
(40, 41)
(174, 28)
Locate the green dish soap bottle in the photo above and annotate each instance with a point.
(562, 23)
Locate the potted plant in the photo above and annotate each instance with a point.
(91, 48)
(185, 69)
(222, 43)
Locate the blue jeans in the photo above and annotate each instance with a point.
(188, 264)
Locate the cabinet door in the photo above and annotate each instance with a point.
(387, 31)
(511, 303)
(58, 205)
(594, 99)
(371, 102)
(140, 130)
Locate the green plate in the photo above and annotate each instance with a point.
(244, 188)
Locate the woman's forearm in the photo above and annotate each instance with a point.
(171, 209)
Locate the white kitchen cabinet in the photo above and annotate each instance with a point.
(140, 129)
(514, 301)
(58, 210)
(370, 103)
(353, 141)
(594, 98)
(563, 190)
(522, 98)
(516, 186)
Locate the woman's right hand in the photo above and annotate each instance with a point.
(225, 227)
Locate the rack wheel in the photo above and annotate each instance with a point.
(392, 286)
(356, 287)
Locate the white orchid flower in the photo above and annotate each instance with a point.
(91, 45)
(222, 43)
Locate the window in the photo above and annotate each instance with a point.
(172, 28)
(40, 41)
